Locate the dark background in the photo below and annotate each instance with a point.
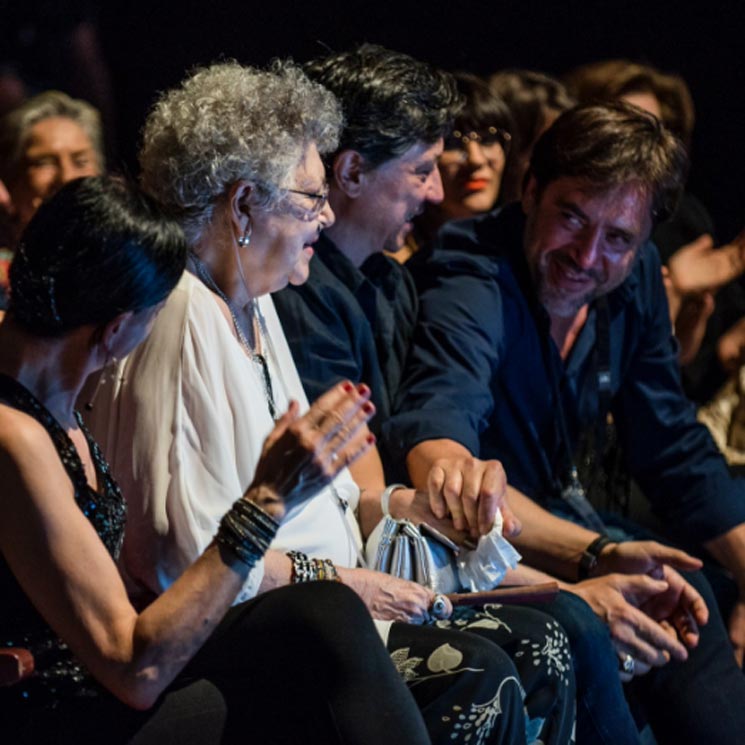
(148, 47)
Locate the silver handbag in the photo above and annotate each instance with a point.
(419, 554)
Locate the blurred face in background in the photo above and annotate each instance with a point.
(471, 167)
(56, 150)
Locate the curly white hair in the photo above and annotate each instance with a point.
(227, 123)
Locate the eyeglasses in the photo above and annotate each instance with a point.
(315, 205)
(487, 138)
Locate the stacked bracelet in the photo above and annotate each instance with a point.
(247, 531)
(590, 556)
(311, 570)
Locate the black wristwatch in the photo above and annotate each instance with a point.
(590, 556)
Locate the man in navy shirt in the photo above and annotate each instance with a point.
(517, 309)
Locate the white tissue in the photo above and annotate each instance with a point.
(484, 567)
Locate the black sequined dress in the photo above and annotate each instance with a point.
(58, 676)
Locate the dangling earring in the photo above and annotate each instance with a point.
(101, 380)
(245, 239)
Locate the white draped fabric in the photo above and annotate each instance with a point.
(182, 423)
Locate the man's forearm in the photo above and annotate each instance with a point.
(367, 473)
(548, 542)
(525, 575)
(422, 457)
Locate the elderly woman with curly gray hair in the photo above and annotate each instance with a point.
(234, 154)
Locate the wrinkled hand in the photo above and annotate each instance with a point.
(390, 598)
(304, 453)
(617, 599)
(680, 606)
(643, 557)
(471, 491)
(737, 630)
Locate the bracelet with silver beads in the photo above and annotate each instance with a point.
(305, 569)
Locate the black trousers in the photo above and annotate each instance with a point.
(302, 664)
(701, 700)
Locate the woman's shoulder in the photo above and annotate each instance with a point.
(19, 429)
(27, 450)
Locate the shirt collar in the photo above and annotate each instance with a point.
(345, 271)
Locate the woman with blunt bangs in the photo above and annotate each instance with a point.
(473, 162)
(93, 269)
(234, 154)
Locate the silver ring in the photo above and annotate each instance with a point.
(334, 457)
(627, 664)
(439, 609)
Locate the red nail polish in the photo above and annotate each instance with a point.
(362, 389)
(368, 408)
(348, 387)
(370, 439)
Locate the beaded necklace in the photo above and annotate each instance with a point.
(256, 356)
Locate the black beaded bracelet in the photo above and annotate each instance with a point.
(591, 555)
(246, 530)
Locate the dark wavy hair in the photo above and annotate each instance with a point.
(96, 249)
(615, 78)
(390, 100)
(611, 145)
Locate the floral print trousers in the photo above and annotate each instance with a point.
(494, 674)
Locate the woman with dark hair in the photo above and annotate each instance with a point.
(476, 153)
(93, 269)
(473, 162)
(665, 95)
